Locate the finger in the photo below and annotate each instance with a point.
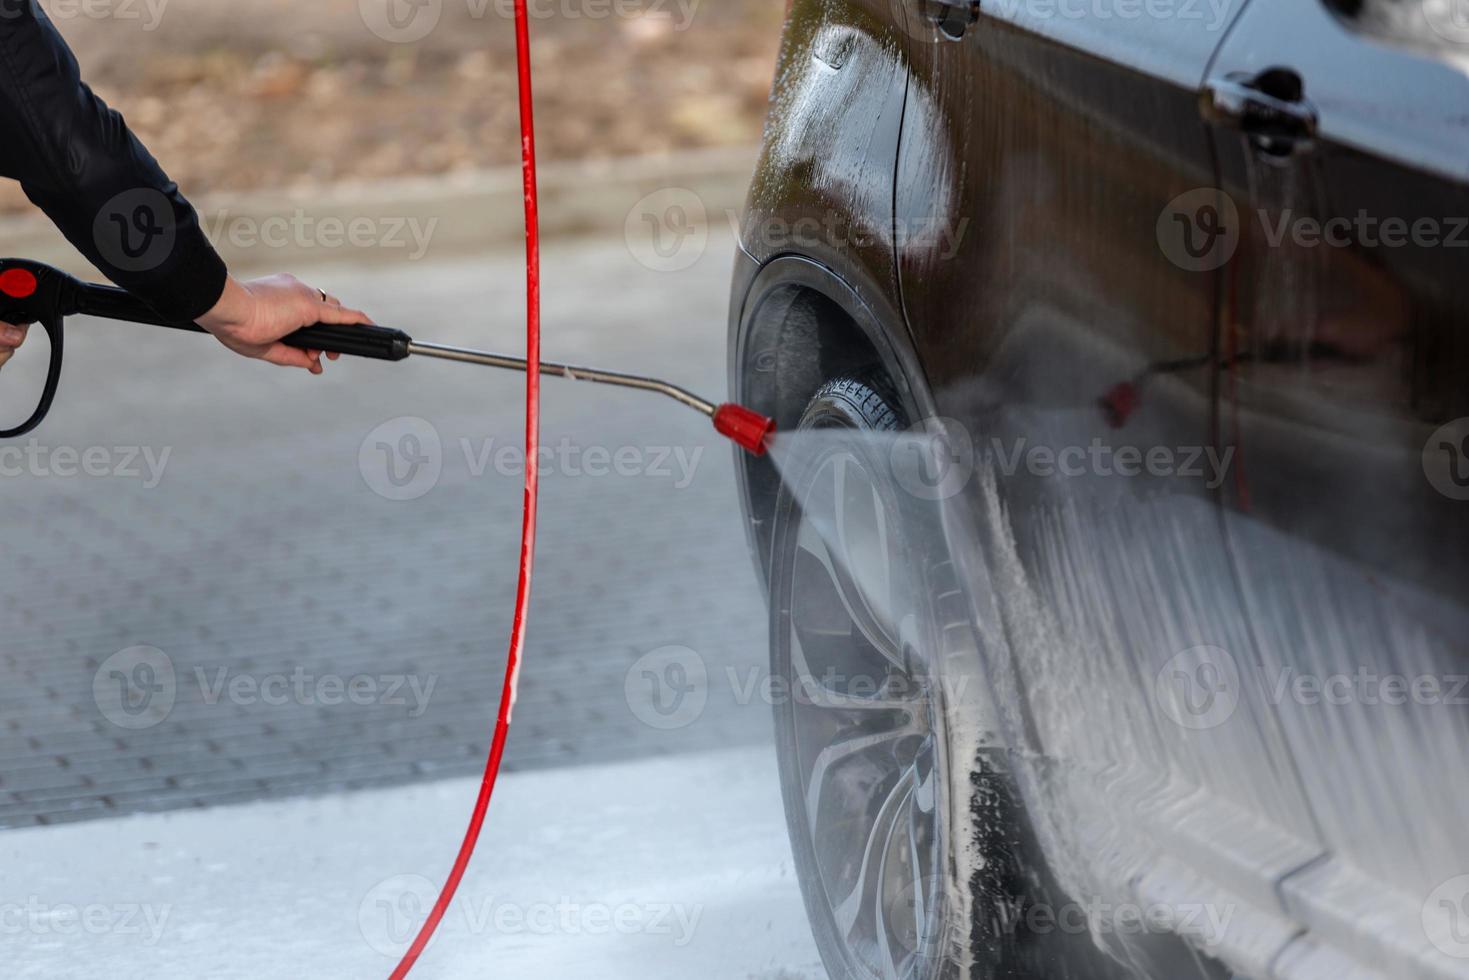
(334, 355)
(344, 315)
(285, 355)
(12, 336)
(6, 353)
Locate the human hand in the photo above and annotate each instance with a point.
(11, 337)
(252, 317)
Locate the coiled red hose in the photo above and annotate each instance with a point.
(532, 489)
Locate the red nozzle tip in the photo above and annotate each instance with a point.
(749, 429)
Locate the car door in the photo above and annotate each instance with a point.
(1052, 165)
(1344, 142)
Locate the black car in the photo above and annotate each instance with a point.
(1117, 546)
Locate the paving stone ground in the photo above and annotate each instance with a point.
(312, 634)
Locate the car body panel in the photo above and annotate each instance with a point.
(1349, 356)
(1027, 276)
(1061, 161)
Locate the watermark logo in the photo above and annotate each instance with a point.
(411, 691)
(1368, 688)
(147, 13)
(1449, 19)
(933, 459)
(1205, 924)
(678, 465)
(1446, 460)
(1199, 689)
(1362, 230)
(1211, 15)
(401, 21)
(668, 231)
(405, 458)
(1446, 917)
(142, 463)
(402, 459)
(300, 230)
(135, 231)
(135, 688)
(1199, 231)
(668, 688)
(392, 912)
(939, 237)
(39, 919)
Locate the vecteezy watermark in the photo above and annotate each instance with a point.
(1446, 917)
(667, 688)
(935, 459)
(1362, 230)
(925, 25)
(1212, 15)
(1202, 922)
(1446, 459)
(135, 688)
(147, 14)
(1200, 231)
(33, 917)
(138, 688)
(301, 687)
(668, 230)
(941, 237)
(404, 459)
(299, 230)
(1199, 689)
(1367, 687)
(407, 21)
(143, 463)
(136, 230)
(393, 911)
(1449, 19)
(829, 686)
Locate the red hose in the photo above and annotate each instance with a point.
(532, 487)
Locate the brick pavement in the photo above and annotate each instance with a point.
(263, 553)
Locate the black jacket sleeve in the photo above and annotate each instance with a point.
(78, 162)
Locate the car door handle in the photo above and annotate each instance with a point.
(1270, 108)
(953, 17)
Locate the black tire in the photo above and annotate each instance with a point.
(957, 917)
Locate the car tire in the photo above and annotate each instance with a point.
(913, 856)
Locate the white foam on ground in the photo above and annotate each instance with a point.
(664, 868)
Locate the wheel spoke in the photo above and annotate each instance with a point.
(879, 838)
(920, 910)
(824, 767)
(820, 694)
(814, 542)
(880, 905)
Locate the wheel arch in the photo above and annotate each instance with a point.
(795, 325)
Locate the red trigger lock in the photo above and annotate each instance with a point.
(18, 283)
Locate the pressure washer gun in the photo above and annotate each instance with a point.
(34, 293)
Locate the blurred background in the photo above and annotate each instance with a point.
(270, 94)
(294, 593)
